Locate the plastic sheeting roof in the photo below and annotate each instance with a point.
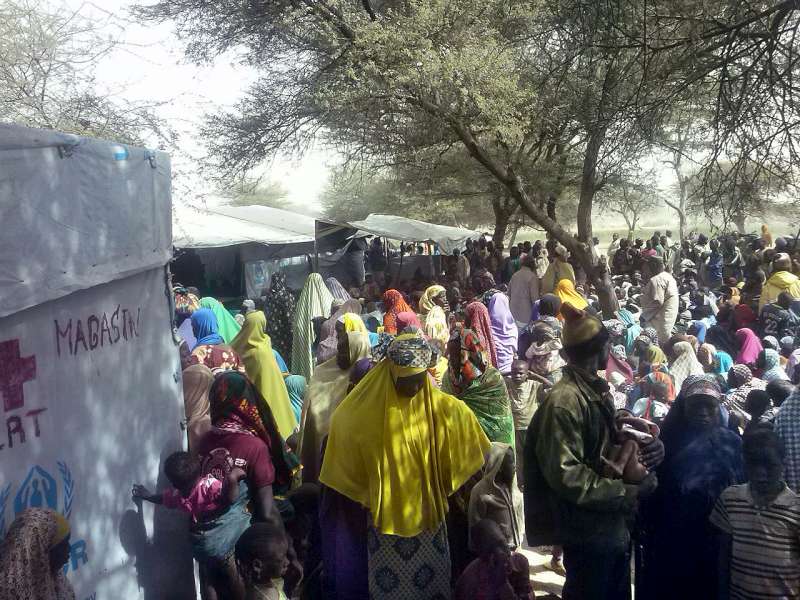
(411, 230)
(77, 212)
(232, 225)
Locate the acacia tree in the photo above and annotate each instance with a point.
(630, 197)
(516, 84)
(730, 198)
(47, 60)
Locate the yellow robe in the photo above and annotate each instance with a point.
(255, 349)
(402, 457)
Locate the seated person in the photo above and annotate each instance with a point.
(498, 572)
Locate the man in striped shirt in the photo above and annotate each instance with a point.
(760, 525)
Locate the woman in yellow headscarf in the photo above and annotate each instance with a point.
(565, 290)
(435, 295)
(400, 447)
(326, 390)
(255, 349)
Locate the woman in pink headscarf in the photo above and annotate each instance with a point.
(476, 318)
(407, 319)
(749, 347)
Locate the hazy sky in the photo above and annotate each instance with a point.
(149, 66)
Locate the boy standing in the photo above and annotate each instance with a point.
(760, 524)
(522, 392)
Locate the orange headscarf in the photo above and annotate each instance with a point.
(393, 305)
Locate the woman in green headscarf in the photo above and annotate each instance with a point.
(228, 327)
(473, 379)
(315, 301)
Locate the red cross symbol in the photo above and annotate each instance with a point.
(14, 371)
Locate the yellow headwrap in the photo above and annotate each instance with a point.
(255, 349)
(353, 323)
(402, 457)
(426, 301)
(62, 530)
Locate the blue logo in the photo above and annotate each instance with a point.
(40, 490)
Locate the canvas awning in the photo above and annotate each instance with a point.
(410, 230)
(195, 227)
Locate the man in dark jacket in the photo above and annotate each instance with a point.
(567, 499)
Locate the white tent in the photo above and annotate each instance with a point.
(90, 384)
(411, 230)
(232, 225)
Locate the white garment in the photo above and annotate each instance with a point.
(660, 304)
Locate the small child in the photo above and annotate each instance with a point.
(193, 492)
(497, 573)
(262, 559)
(760, 525)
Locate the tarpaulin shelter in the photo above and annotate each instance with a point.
(90, 382)
(410, 230)
(252, 242)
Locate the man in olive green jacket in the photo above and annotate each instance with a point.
(567, 500)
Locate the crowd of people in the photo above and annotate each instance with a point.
(373, 442)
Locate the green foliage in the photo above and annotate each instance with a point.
(270, 194)
(526, 100)
(47, 61)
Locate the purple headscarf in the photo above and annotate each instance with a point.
(504, 330)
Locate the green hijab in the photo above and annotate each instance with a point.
(228, 327)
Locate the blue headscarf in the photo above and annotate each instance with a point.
(205, 327)
(633, 329)
(699, 328)
(296, 386)
(724, 363)
(281, 363)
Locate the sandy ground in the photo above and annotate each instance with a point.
(546, 582)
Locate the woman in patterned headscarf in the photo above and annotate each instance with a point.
(393, 432)
(337, 289)
(479, 385)
(685, 363)
(279, 306)
(32, 557)
(740, 383)
(393, 305)
(243, 432)
(476, 318)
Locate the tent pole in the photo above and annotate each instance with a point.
(316, 254)
(400, 269)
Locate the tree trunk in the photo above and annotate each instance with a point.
(505, 174)
(514, 232)
(501, 218)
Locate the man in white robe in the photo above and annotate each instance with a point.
(659, 299)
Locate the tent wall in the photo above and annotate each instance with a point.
(97, 407)
(90, 384)
(77, 212)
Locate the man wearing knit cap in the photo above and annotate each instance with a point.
(781, 280)
(567, 500)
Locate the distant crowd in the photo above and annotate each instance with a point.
(386, 440)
